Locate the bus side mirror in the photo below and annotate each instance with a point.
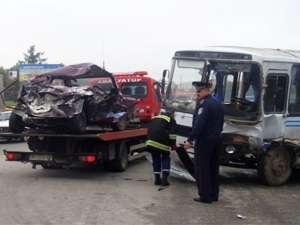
(163, 81)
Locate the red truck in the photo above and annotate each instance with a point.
(145, 89)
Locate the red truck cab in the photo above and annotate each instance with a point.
(145, 89)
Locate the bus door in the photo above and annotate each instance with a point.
(292, 121)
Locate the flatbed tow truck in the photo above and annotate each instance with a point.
(112, 146)
(113, 149)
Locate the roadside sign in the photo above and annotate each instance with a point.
(29, 71)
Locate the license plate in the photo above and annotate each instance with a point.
(37, 157)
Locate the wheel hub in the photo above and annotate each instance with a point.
(279, 166)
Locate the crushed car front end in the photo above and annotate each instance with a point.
(64, 100)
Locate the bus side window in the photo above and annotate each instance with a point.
(294, 98)
(228, 88)
(276, 92)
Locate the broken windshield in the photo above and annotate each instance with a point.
(236, 85)
(181, 93)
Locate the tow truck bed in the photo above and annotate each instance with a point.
(114, 148)
(104, 136)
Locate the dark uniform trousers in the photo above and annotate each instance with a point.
(161, 138)
(207, 167)
(160, 160)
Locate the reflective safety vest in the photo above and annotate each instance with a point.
(161, 133)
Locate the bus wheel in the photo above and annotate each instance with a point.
(274, 167)
(120, 163)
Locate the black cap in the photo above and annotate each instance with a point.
(200, 84)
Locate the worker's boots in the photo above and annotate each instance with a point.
(157, 180)
(165, 181)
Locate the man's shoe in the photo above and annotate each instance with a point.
(157, 180)
(165, 181)
(202, 200)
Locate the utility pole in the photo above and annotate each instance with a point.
(1, 88)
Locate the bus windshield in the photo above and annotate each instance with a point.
(180, 92)
(236, 85)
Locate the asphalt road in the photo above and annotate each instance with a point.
(87, 196)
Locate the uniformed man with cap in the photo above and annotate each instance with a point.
(206, 133)
(161, 139)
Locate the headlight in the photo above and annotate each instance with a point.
(230, 149)
(40, 108)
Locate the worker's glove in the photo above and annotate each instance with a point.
(173, 147)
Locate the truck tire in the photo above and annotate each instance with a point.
(274, 168)
(121, 162)
(16, 123)
(78, 123)
(36, 145)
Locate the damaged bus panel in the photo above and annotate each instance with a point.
(259, 90)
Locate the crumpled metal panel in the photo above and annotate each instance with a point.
(82, 70)
(254, 133)
(273, 126)
(40, 98)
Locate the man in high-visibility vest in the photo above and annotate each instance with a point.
(161, 140)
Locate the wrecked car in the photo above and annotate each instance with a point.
(64, 100)
(260, 92)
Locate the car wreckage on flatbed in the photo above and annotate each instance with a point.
(54, 112)
(63, 100)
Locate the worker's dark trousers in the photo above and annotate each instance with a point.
(207, 167)
(160, 160)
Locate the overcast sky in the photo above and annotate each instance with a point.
(138, 34)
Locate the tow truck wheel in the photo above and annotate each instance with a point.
(51, 167)
(275, 166)
(121, 162)
(36, 145)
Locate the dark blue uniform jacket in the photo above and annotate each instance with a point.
(208, 119)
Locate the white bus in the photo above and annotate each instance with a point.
(260, 92)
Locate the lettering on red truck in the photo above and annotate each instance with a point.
(124, 80)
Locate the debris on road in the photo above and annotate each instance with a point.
(240, 216)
